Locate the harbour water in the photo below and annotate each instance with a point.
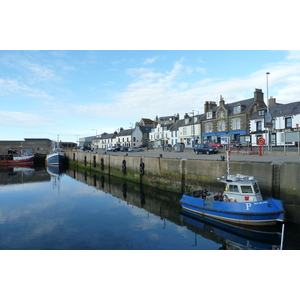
(41, 210)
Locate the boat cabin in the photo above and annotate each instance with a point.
(241, 188)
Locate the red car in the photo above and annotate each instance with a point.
(214, 145)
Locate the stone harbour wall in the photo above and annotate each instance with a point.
(181, 175)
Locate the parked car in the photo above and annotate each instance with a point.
(124, 149)
(134, 149)
(234, 144)
(85, 148)
(109, 148)
(214, 145)
(116, 148)
(204, 148)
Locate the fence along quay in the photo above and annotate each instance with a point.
(281, 180)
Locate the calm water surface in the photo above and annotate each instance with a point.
(40, 210)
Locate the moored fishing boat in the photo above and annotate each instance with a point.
(14, 158)
(56, 157)
(241, 202)
(18, 160)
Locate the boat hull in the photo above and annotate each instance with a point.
(266, 212)
(22, 160)
(55, 159)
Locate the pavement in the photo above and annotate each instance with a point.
(271, 156)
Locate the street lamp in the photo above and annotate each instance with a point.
(96, 132)
(131, 135)
(268, 130)
(193, 129)
(198, 122)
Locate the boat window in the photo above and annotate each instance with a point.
(233, 188)
(246, 189)
(256, 188)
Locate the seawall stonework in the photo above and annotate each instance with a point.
(180, 175)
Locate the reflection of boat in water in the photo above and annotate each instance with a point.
(241, 202)
(56, 170)
(235, 237)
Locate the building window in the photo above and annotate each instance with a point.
(258, 126)
(221, 126)
(221, 114)
(208, 127)
(184, 131)
(288, 122)
(209, 115)
(236, 124)
(261, 112)
(186, 121)
(237, 109)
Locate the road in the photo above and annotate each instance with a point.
(272, 156)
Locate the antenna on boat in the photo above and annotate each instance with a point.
(228, 159)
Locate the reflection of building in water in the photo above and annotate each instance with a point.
(18, 175)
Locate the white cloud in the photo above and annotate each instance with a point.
(21, 119)
(9, 85)
(294, 54)
(149, 61)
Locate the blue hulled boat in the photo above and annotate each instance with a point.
(55, 157)
(241, 202)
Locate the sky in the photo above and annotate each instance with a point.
(78, 93)
(72, 71)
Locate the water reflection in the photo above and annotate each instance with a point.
(70, 209)
(161, 203)
(234, 237)
(22, 174)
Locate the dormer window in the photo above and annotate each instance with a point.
(237, 109)
(221, 114)
(209, 115)
(261, 112)
(186, 121)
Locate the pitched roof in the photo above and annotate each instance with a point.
(125, 132)
(145, 129)
(281, 110)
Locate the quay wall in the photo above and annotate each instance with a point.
(280, 180)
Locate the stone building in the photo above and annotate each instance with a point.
(29, 145)
(230, 122)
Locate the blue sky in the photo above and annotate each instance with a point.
(69, 69)
(74, 93)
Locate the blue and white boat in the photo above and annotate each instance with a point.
(56, 157)
(241, 203)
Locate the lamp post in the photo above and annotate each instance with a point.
(131, 135)
(96, 137)
(268, 130)
(193, 129)
(197, 123)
